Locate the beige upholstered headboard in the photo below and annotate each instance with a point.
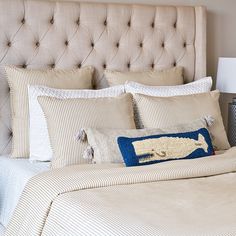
(43, 34)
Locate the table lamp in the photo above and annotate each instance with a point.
(226, 83)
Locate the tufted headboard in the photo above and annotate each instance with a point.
(44, 34)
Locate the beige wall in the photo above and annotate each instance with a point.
(221, 30)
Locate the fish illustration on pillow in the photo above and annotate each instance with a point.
(165, 148)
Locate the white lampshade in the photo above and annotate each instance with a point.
(226, 75)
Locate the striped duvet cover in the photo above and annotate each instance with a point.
(185, 197)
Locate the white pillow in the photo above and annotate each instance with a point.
(199, 86)
(40, 149)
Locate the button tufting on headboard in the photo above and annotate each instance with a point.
(49, 34)
(52, 20)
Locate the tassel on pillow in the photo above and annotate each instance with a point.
(88, 153)
(209, 120)
(81, 136)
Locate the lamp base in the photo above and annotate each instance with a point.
(232, 122)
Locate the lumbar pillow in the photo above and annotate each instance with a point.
(40, 149)
(159, 112)
(199, 86)
(165, 147)
(77, 113)
(165, 77)
(19, 79)
(103, 147)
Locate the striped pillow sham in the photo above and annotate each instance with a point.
(19, 79)
(66, 116)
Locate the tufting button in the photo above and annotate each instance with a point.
(129, 23)
(23, 21)
(163, 45)
(37, 44)
(117, 45)
(175, 24)
(10, 134)
(79, 65)
(153, 25)
(185, 44)
(52, 65)
(78, 22)
(92, 45)
(128, 64)
(24, 66)
(105, 22)
(174, 64)
(152, 65)
(9, 44)
(141, 45)
(66, 43)
(52, 20)
(104, 66)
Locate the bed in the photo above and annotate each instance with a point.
(108, 199)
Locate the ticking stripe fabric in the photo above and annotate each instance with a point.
(51, 194)
(19, 79)
(161, 112)
(165, 77)
(66, 117)
(40, 149)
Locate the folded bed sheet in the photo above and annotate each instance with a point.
(2, 230)
(14, 175)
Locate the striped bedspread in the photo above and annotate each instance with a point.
(185, 197)
(2, 229)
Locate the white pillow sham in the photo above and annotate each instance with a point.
(40, 149)
(199, 86)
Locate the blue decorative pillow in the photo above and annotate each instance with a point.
(165, 147)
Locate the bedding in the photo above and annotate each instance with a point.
(40, 149)
(160, 112)
(14, 174)
(165, 77)
(19, 79)
(39, 39)
(2, 230)
(157, 148)
(199, 86)
(103, 142)
(189, 197)
(65, 117)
